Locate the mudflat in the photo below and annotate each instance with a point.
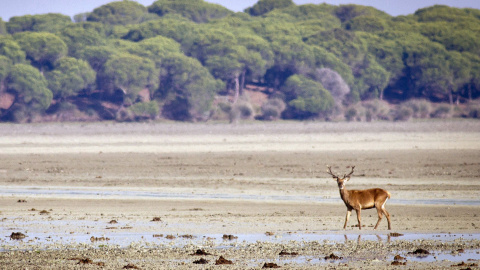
(171, 195)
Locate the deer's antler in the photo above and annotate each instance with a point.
(329, 171)
(348, 175)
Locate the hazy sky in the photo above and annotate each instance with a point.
(11, 8)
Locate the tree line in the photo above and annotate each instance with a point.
(190, 60)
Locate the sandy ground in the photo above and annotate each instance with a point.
(152, 194)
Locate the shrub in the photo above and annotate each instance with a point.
(124, 115)
(225, 107)
(337, 113)
(355, 113)
(376, 110)
(421, 108)
(245, 109)
(138, 111)
(66, 111)
(241, 110)
(403, 113)
(350, 114)
(473, 111)
(145, 109)
(222, 109)
(272, 109)
(22, 113)
(442, 111)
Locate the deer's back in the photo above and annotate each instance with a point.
(367, 197)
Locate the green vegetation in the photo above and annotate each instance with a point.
(190, 60)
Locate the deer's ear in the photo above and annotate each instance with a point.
(334, 178)
(346, 178)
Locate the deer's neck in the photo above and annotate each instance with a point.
(344, 194)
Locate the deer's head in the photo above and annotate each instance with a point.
(340, 180)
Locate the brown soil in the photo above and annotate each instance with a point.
(333, 257)
(463, 264)
(419, 252)
(17, 235)
(130, 266)
(229, 237)
(201, 252)
(271, 265)
(93, 239)
(285, 253)
(201, 261)
(85, 261)
(222, 260)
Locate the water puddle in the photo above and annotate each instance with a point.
(122, 239)
(36, 241)
(465, 255)
(104, 193)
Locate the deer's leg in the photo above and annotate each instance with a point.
(380, 215)
(349, 212)
(358, 218)
(388, 217)
(381, 210)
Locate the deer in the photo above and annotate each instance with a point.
(361, 199)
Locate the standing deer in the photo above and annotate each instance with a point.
(362, 199)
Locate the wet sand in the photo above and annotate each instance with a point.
(151, 195)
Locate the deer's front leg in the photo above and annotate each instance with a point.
(358, 218)
(349, 212)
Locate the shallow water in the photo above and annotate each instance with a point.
(42, 235)
(117, 238)
(448, 256)
(468, 255)
(42, 241)
(135, 194)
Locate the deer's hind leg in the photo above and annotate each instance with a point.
(382, 211)
(380, 215)
(388, 217)
(385, 212)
